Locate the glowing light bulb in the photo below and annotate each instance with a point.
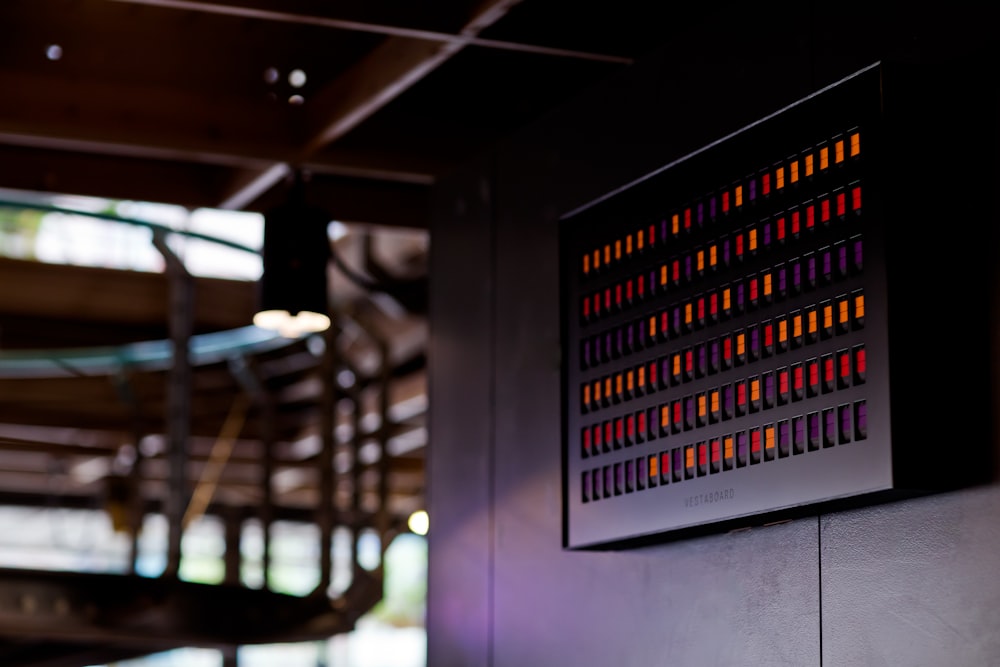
(419, 522)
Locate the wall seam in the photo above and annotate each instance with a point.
(488, 192)
(819, 577)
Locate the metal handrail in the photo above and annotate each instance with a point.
(146, 355)
(152, 226)
(154, 355)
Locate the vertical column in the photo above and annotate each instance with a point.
(459, 484)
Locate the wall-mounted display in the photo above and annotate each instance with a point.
(780, 322)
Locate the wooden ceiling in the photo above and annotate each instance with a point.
(210, 104)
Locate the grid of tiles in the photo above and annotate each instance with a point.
(696, 329)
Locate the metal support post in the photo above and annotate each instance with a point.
(382, 518)
(326, 509)
(178, 398)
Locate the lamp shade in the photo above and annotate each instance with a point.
(292, 291)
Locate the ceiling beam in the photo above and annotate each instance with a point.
(385, 73)
(468, 36)
(70, 139)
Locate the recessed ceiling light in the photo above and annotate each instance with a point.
(296, 78)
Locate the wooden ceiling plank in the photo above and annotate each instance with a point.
(250, 186)
(142, 121)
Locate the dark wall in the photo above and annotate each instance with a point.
(910, 583)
